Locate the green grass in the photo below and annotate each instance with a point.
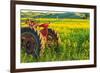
(74, 46)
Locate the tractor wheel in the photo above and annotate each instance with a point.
(53, 40)
(30, 41)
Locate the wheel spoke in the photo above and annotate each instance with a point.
(29, 43)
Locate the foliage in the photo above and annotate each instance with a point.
(75, 43)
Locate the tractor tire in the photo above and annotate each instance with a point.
(30, 41)
(53, 40)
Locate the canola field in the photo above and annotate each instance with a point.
(75, 41)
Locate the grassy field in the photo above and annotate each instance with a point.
(75, 43)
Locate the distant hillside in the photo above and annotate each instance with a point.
(55, 15)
